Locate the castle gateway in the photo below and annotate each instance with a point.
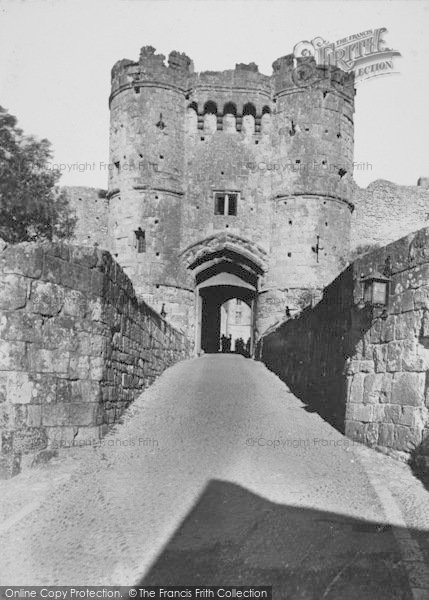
(229, 185)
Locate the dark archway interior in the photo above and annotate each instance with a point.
(212, 298)
(227, 266)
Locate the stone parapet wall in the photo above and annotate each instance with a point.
(365, 370)
(76, 347)
(385, 211)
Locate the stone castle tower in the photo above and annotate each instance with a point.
(229, 184)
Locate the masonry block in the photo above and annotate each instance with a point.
(80, 279)
(44, 388)
(87, 257)
(394, 356)
(82, 414)
(96, 368)
(388, 329)
(371, 433)
(377, 388)
(380, 358)
(55, 270)
(34, 415)
(415, 417)
(407, 300)
(55, 415)
(96, 310)
(46, 298)
(30, 440)
(355, 431)
(23, 259)
(391, 413)
(414, 356)
(408, 389)
(7, 417)
(64, 391)
(421, 298)
(98, 284)
(375, 332)
(407, 325)
(13, 292)
(356, 388)
(386, 435)
(75, 304)
(359, 412)
(406, 439)
(42, 360)
(403, 302)
(57, 337)
(58, 249)
(19, 387)
(425, 324)
(12, 356)
(85, 391)
(91, 344)
(20, 326)
(79, 367)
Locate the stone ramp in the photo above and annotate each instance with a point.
(219, 474)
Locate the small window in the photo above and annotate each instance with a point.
(232, 204)
(226, 203)
(140, 240)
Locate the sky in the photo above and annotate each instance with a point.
(56, 57)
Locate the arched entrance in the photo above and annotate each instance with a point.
(225, 266)
(211, 299)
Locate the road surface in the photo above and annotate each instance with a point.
(219, 476)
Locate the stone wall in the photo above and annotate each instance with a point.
(177, 137)
(76, 347)
(91, 209)
(385, 211)
(365, 370)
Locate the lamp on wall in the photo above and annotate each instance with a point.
(375, 291)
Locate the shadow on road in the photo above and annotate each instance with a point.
(234, 537)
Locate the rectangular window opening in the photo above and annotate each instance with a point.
(219, 204)
(226, 203)
(232, 204)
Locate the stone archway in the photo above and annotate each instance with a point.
(212, 298)
(224, 266)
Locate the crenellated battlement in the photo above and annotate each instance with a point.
(291, 74)
(178, 71)
(151, 68)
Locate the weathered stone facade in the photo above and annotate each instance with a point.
(364, 369)
(90, 208)
(76, 347)
(384, 212)
(283, 143)
(178, 137)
